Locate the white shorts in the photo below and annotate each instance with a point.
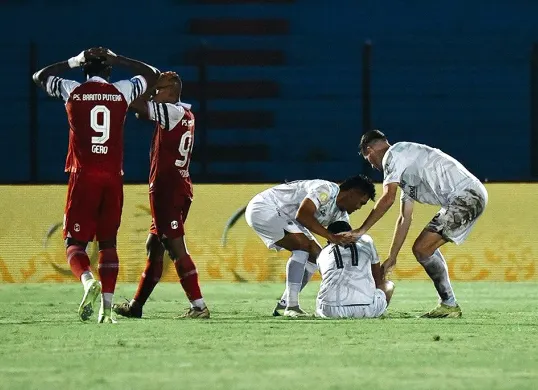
(374, 310)
(456, 221)
(269, 223)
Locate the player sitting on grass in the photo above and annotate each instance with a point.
(425, 175)
(352, 284)
(170, 195)
(286, 217)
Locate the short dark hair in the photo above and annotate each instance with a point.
(97, 67)
(369, 137)
(360, 182)
(339, 227)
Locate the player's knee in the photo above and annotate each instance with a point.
(176, 248)
(107, 244)
(388, 289)
(154, 248)
(69, 241)
(422, 251)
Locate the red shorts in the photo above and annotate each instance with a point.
(169, 210)
(93, 207)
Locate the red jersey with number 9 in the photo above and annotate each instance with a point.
(171, 147)
(96, 113)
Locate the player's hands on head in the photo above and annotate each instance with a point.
(100, 52)
(387, 266)
(78, 60)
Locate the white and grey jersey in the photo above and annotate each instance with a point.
(426, 174)
(288, 197)
(62, 88)
(166, 114)
(346, 273)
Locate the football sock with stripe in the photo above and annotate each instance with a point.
(108, 273)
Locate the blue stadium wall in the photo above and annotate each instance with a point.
(454, 76)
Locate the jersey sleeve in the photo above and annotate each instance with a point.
(60, 88)
(392, 169)
(133, 88)
(166, 114)
(404, 198)
(320, 194)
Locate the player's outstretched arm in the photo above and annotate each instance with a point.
(400, 233)
(41, 76)
(306, 217)
(150, 73)
(383, 204)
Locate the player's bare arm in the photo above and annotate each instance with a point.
(400, 233)
(41, 76)
(150, 73)
(140, 105)
(384, 203)
(377, 273)
(306, 217)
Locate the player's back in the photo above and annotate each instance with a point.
(427, 174)
(171, 148)
(96, 113)
(288, 196)
(347, 274)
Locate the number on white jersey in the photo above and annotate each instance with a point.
(338, 256)
(185, 147)
(103, 128)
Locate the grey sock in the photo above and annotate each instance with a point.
(309, 271)
(294, 276)
(437, 270)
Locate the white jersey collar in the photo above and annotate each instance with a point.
(385, 157)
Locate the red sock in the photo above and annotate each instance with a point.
(78, 260)
(188, 276)
(108, 269)
(150, 277)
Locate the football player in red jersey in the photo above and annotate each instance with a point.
(96, 111)
(170, 194)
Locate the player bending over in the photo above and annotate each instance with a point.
(352, 283)
(170, 195)
(425, 175)
(287, 215)
(96, 112)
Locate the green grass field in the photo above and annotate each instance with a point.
(494, 346)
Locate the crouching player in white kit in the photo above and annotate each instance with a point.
(425, 175)
(285, 216)
(352, 283)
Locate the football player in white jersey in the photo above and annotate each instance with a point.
(352, 283)
(425, 175)
(287, 215)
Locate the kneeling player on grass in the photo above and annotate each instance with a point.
(352, 283)
(285, 216)
(170, 195)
